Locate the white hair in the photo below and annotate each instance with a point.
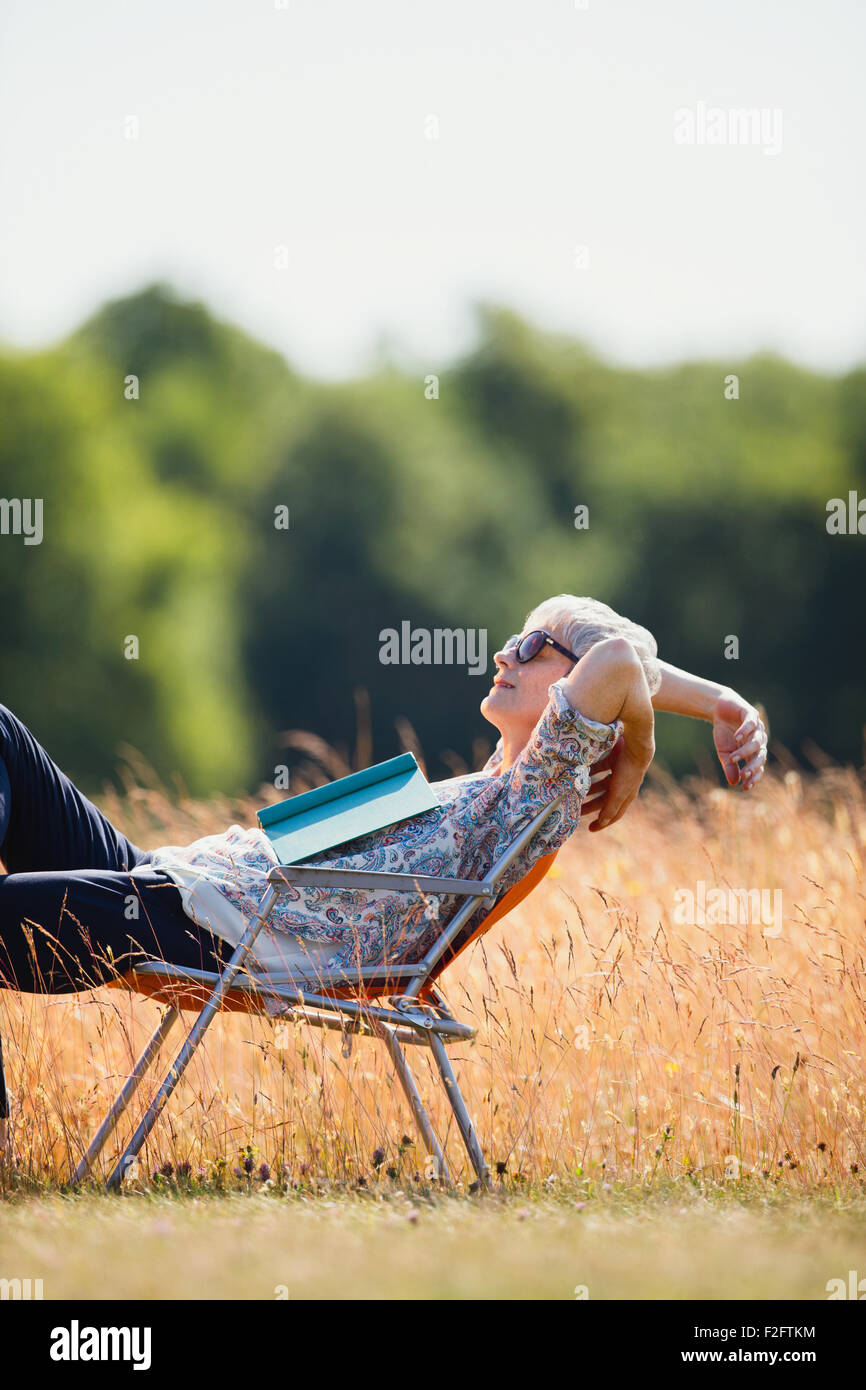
(582, 622)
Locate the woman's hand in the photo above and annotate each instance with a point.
(615, 782)
(740, 736)
(739, 732)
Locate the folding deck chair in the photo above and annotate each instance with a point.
(399, 1004)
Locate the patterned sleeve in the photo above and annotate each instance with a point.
(561, 750)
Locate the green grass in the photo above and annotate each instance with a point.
(673, 1242)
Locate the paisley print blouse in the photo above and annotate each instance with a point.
(222, 878)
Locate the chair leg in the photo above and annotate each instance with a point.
(413, 1095)
(458, 1105)
(129, 1089)
(152, 1113)
(195, 1035)
(4, 1096)
(4, 1111)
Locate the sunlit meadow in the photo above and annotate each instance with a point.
(620, 1051)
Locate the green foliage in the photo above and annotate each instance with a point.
(707, 518)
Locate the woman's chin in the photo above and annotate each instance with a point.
(490, 704)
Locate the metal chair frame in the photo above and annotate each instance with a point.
(403, 1019)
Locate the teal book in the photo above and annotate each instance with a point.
(352, 806)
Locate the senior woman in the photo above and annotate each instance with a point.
(577, 687)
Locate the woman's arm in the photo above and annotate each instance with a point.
(682, 693)
(608, 683)
(739, 733)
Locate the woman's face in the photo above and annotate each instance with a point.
(518, 696)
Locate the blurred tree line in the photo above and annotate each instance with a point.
(707, 519)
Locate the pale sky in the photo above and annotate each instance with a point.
(305, 127)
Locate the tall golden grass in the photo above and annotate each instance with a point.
(614, 1041)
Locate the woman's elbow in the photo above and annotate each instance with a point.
(601, 680)
(614, 653)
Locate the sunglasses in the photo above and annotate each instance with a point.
(525, 648)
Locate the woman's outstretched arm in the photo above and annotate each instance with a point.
(682, 693)
(739, 733)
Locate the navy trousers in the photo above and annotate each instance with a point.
(71, 915)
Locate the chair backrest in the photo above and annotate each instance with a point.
(515, 895)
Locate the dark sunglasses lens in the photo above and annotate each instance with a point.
(530, 646)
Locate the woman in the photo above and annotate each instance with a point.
(80, 903)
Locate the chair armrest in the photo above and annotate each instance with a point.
(288, 875)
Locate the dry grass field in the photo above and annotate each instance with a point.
(632, 1071)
